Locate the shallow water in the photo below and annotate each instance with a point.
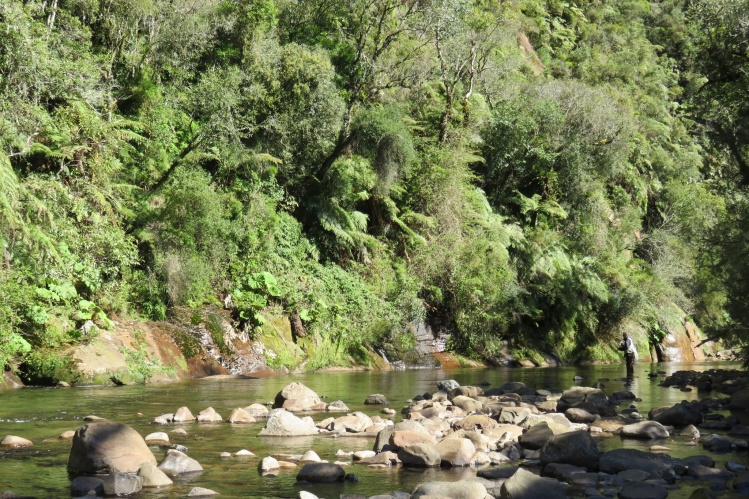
(41, 414)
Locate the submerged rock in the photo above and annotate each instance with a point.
(321, 473)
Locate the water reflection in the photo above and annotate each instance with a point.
(42, 414)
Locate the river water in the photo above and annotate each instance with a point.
(41, 414)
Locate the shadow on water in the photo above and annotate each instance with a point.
(42, 414)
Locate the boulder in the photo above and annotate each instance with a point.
(337, 406)
(310, 457)
(448, 385)
(183, 415)
(467, 403)
(356, 422)
(67, 435)
(282, 423)
(739, 400)
(321, 473)
(121, 484)
(580, 394)
(700, 472)
(456, 451)
(382, 440)
(716, 443)
(178, 463)
(467, 391)
(645, 430)
(695, 460)
(152, 476)
(513, 415)
(13, 441)
(526, 485)
(296, 397)
(617, 460)
(576, 448)
(240, 416)
(423, 455)
(376, 399)
(401, 439)
(209, 415)
(463, 489)
(678, 415)
(158, 437)
(497, 473)
(476, 422)
(257, 410)
(107, 447)
(268, 464)
(578, 415)
(536, 436)
(561, 471)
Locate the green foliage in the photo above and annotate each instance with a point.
(532, 175)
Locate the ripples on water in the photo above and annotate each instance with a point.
(42, 414)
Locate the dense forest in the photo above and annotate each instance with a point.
(537, 175)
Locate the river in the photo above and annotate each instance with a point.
(41, 414)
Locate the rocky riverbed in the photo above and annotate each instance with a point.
(514, 441)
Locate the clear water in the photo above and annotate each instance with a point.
(41, 414)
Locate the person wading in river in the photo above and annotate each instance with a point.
(630, 354)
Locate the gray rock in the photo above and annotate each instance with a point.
(282, 423)
(741, 483)
(617, 460)
(645, 430)
(561, 471)
(321, 473)
(463, 489)
(178, 463)
(513, 415)
(634, 475)
(240, 416)
(152, 476)
(296, 397)
(121, 484)
(716, 443)
(183, 415)
(690, 431)
(448, 385)
(526, 485)
(634, 490)
(700, 472)
(578, 415)
(456, 451)
(576, 448)
(536, 436)
(377, 399)
(337, 406)
(85, 485)
(497, 473)
(382, 440)
(209, 415)
(201, 492)
(423, 455)
(678, 415)
(106, 447)
(579, 394)
(734, 467)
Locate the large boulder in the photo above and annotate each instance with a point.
(536, 436)
(578, 395)
(321, 473)
(576, 447)
(463, 489)
(456, 451)
(678, 415)
(617, 460)
(107, 447)
(282, 423)
(296, 397)
(526, 485)
(423, 455)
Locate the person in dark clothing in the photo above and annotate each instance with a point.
(630, 354)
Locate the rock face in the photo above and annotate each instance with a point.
(296, 397)
(321, 473)
(282, 423)
(107, 447)
(576, 447)
(463, 489)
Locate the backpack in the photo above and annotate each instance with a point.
(631, 350)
